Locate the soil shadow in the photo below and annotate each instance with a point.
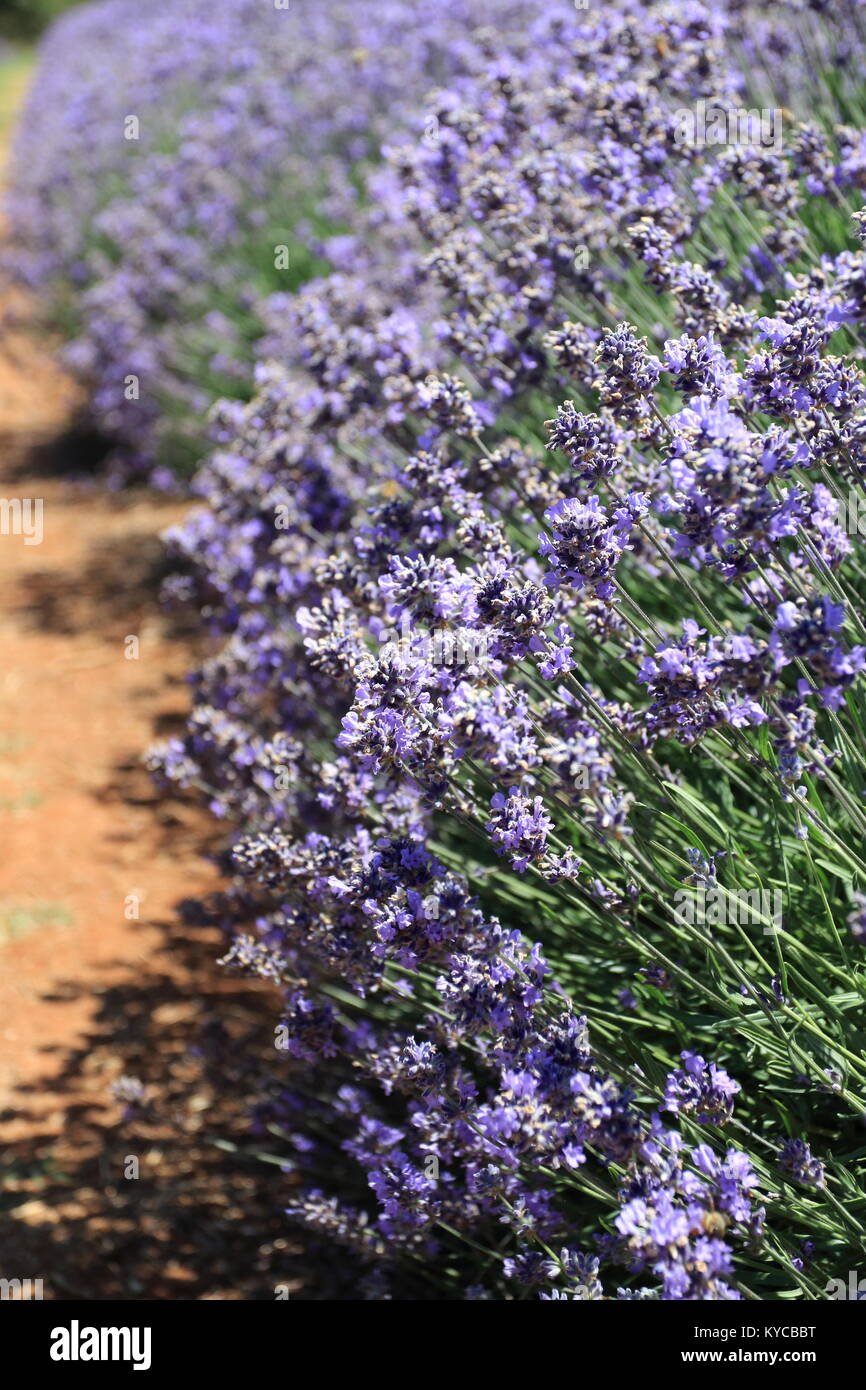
(101, 977)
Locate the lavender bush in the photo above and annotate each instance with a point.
(536, 708)
(175, 168)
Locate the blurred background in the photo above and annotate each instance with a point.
(25, 19)
(86, 997)
(21, 23)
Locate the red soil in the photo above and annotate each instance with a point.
(88, 993)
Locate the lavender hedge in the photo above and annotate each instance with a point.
(177, 166)
(536, 716)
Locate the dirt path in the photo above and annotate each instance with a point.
(89, 992)
(84, 847)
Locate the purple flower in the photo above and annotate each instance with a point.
(520, 826)
(702, 1090)
(857, 918)
(795, 1159)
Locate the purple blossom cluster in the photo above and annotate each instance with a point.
(614, 472)
(705, 1091)
(503, 1095)
(157, 212)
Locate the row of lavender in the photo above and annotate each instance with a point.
(509, 707)
(168, 160)
(537, 711)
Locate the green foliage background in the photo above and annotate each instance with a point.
(25, 19)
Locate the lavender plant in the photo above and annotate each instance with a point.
(176, 167)
(535, 711)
